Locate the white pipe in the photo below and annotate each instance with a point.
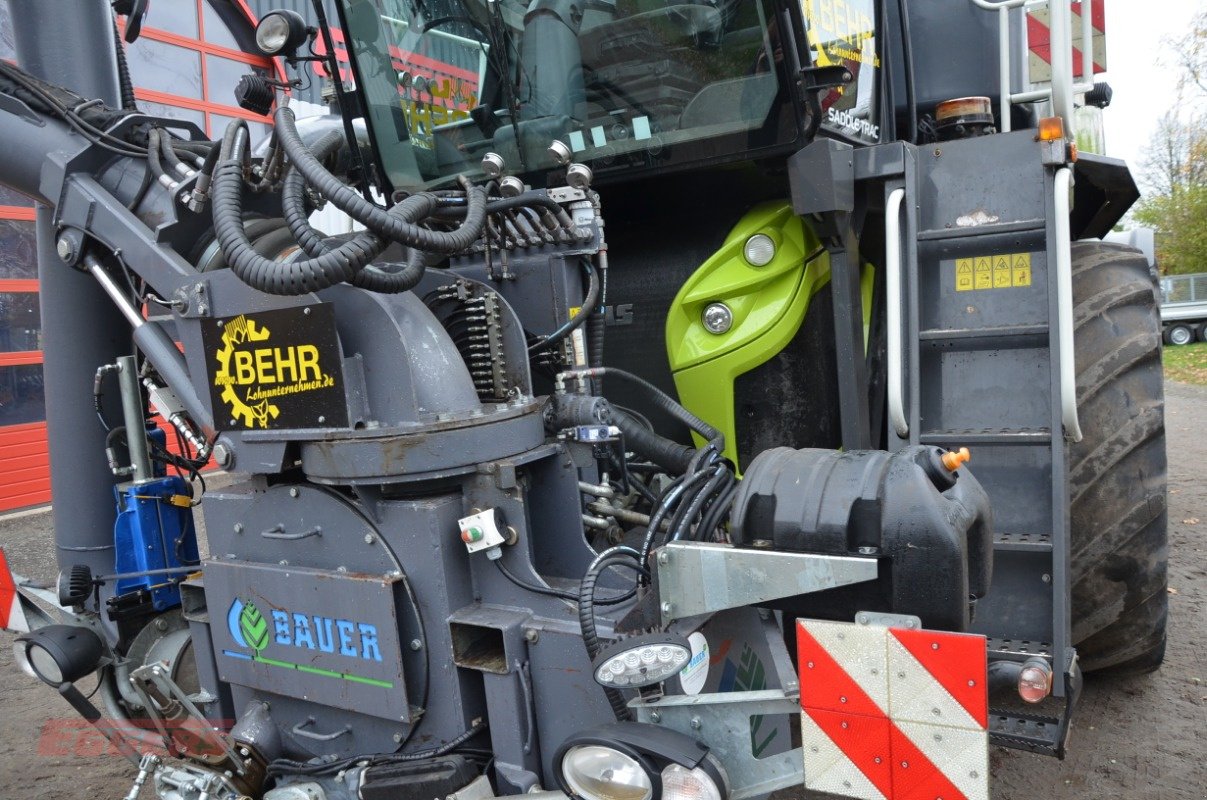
(1087, 45)
(892, 270)
(1004, 66)
(1061, 19)
(1064, 301)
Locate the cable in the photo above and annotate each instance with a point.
(586, 310)
(615, 556)
(283, 766)
(129, 103)
(558, 593)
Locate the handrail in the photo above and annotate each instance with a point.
(892, 271)
(1064, 302)
(1064, 87)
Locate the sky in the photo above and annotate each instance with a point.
(1141, 70)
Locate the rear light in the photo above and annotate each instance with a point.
(1035, 680)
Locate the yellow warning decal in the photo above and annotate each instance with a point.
(1012, 271)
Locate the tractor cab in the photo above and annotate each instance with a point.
(626, 87)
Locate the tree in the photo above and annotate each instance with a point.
(1174, 173)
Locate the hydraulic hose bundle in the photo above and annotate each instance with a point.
(327, 265)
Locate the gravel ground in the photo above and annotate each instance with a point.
(1141, 738)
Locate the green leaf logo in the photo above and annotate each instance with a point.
(254, 627)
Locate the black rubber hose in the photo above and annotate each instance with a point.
(390, 226)
(588, 308)
(393, 278)
(129, 102)
(681, 525)
(525, 200)
(616, 556)
(169, 155)
(667, 404)
(670, 497)
(717, 512)
(595, 347)
(153, 153)
(390, 279)
(675, 458)
(571, 410)
(285, 278)
(293, 200)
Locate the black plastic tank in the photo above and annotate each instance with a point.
(929, 523)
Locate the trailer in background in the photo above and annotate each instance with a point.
(1184, 308)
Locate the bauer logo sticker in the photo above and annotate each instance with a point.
(694, 675)
(1008, 271)
(276, 369)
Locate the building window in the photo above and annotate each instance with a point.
(185, 66)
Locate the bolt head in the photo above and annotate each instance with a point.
(65, 249)
(223, 456)
(664, 558)
(294, 492)
(667, 608)
(369, 538)
(695, 723)
(416, 644)
(717, 318)
(655, 717)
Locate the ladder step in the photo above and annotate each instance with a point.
(1040, 436)
(1023, 335)
(1016, 649)
(1023, 542)
(982, 230)
(1030, 732)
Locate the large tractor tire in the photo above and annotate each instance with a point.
(1117, 473)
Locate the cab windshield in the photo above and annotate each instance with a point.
(625, 84)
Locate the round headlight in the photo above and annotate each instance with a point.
(44, 664)
(61, 653)
(759, 250)
(681, 783)
(279, 31)
(595, 772)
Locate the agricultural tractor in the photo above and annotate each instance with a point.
(711, 398)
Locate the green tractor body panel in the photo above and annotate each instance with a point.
(768, 305)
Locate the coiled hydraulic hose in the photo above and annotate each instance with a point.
(284, 278)
(293, 200)
(391, 226)
(374, 278)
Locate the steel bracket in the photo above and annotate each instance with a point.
(700, 578)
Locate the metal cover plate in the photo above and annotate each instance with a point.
(324, 637)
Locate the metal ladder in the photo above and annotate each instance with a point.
(980, 354)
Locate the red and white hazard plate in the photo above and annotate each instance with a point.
(893, 714)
